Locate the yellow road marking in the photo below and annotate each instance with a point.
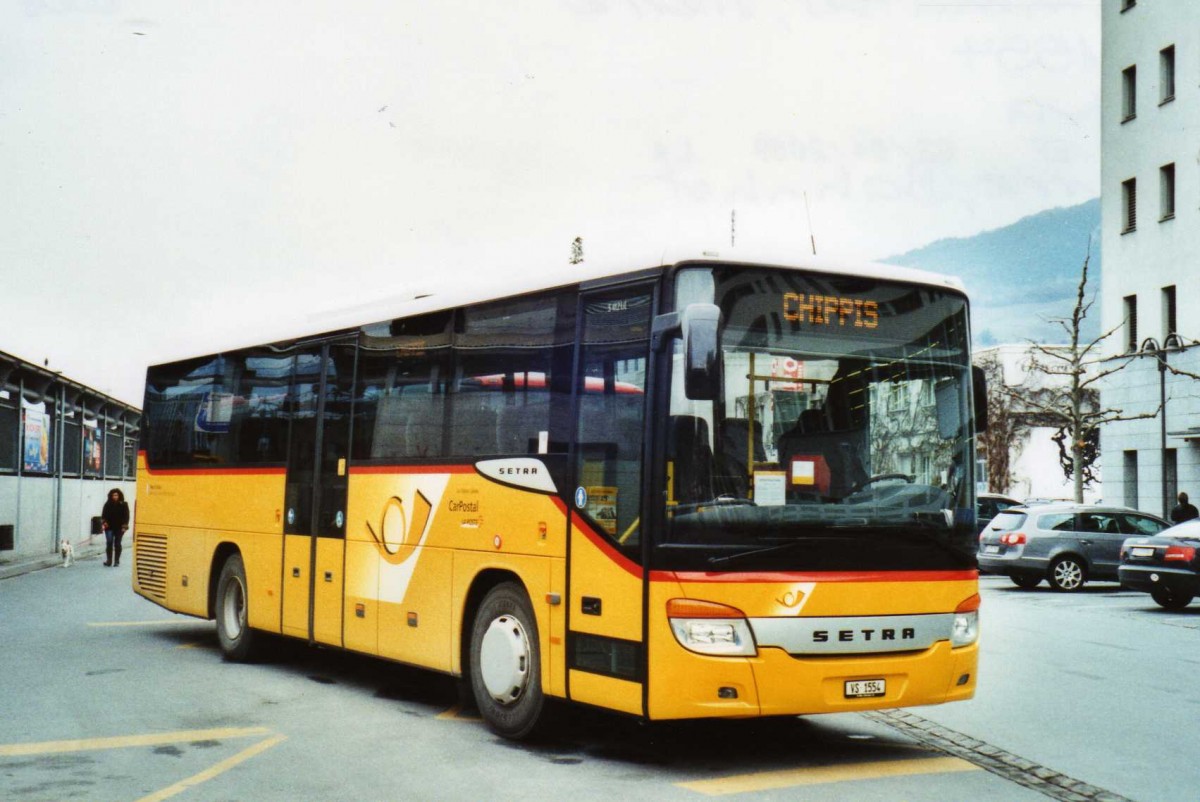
(158, 623)
(209, 773)
(123, 741)
(456, 713)
(818, 775)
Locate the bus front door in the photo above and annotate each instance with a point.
(605, 639)
(315, 503)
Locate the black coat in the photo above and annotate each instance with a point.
(116, 515)
(1184, 512)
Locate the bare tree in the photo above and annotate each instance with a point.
(1006, 426)
(1072, 402)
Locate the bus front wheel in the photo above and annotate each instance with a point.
(237, 640)
(506, 674)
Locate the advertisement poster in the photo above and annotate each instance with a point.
(37, 442)
(602, 506)
(92, 464)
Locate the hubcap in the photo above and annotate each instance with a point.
(504, 658)
(233, 610)
(1068, 575)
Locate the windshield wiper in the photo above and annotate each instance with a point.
(779, 547)
(912, 529)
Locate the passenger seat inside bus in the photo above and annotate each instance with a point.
(733, 476)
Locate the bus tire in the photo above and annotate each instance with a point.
(506, 673)
(238, 642)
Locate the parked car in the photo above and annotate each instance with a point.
(1066, 544)
(1167, 565)
(988, 504)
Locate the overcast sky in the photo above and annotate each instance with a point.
(174, 175)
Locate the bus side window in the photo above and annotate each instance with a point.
(399, 405)
(511, 362)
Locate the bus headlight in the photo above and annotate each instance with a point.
(710, 628)
(966, 623)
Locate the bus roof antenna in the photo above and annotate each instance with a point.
(811, 237)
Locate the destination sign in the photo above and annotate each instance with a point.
(830, 310)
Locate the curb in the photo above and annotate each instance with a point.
(28, 565)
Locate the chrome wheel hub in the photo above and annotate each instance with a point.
(504, 659)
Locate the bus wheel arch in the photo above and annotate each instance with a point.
(221, 554)
(503, 666)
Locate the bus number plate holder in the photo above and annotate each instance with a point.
(865, 688)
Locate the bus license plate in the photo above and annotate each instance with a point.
(865, 688)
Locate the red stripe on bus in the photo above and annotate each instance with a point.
(602, 543)
(216, 471)
(751, 577)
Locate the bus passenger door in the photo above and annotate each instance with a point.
(605, 637)
(315, 503)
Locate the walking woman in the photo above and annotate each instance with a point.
(115, 519)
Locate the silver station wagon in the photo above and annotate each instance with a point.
(1065, 544)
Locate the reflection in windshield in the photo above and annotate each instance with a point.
(844, 418)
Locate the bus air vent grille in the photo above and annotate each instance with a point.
(151, 553)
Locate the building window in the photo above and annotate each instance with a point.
(1131, 342)
(1166, 74)
(1129, 202)
(1129, 93)
(10, 423)
(1131, 480)
(1166, 191)
(1168, 311)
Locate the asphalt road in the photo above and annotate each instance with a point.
(106, 696)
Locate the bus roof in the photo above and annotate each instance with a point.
(507, 281)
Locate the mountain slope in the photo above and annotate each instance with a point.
(1021, 276)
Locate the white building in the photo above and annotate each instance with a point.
(1150, 221)
(63, 446)
(1035, 459)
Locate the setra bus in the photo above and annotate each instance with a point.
(704, 489)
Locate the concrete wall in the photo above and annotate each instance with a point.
(1037, 470)
(28, 502)
(1135, 390)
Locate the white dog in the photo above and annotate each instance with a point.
(68, 553)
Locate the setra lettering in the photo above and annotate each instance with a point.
(853, 635)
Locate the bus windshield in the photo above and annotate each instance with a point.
(841, 437)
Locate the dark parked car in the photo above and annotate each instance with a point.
(1066, 544)
(988, 504)
(1167, 566)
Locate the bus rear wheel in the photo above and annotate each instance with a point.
(505, 663)
(238, 642)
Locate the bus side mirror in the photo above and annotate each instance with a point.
(979, 391)
(700, 326)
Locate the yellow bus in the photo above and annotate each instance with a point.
(703, 489)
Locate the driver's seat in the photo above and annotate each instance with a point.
(818, 460)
